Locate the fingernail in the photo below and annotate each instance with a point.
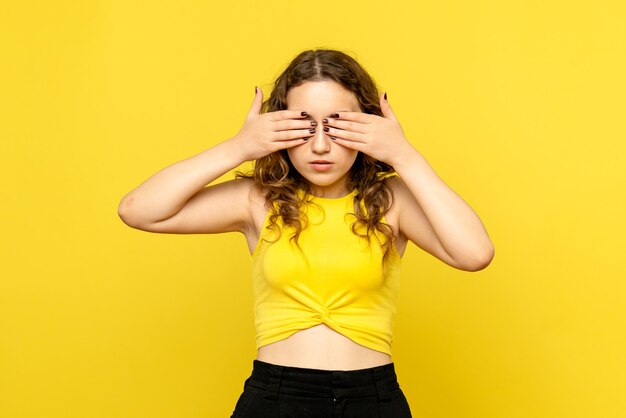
(334, 115)
(324, 120)
(303, 113)
(385, 95)
(326, 128)
(313, 123)
(333, 138)
(312, 130)
(255, 90)
(305, 139)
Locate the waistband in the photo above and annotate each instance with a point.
(336, 384)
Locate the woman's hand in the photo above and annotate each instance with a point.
(379, 137)
(265, 133)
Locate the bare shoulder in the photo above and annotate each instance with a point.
(398, 186)
(398, 191)
(259, 210)
(258, 206)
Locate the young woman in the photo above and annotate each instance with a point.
(336, 193)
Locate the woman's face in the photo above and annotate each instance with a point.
(320, 160)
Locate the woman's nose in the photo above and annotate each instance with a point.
(320, 141)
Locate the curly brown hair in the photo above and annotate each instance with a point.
(280, 182)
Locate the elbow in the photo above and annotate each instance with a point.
(481, 259)
(124, 212)
(134, 218)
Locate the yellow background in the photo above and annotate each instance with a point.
(519, 106)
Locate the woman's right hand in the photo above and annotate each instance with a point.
(262, 134)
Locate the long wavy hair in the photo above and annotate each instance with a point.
(280, 182)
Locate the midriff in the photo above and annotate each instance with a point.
(321, 347)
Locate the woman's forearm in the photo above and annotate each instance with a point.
(165, 193)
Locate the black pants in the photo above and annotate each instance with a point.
(293, 392)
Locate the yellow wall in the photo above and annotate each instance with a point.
(519, 106)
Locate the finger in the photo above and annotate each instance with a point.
(255, 109)
(359, 146)
(292, 143)
(346, 125)
(385, 107)
(287, 114)
(292, 134)
(353, 116)
(347, 135)
(288, 124)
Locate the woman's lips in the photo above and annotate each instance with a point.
(320, 165)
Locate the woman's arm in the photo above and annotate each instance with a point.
(437, 219)
(430, 214)
(175, 199)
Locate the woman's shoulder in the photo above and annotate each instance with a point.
(397, 189)
(259, 207)
(396, 185)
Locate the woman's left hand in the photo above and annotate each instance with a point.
(379, 137)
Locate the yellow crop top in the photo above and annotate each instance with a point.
(337, 279)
